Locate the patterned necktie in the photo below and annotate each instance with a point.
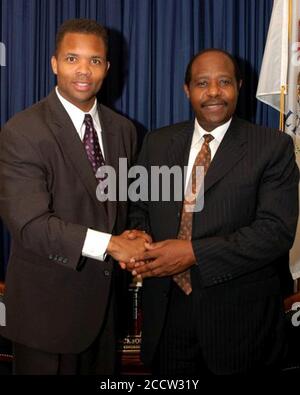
(203, 158)
(91, 144)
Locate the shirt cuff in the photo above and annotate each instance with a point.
(95, 244)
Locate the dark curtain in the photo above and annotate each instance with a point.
(151, 43)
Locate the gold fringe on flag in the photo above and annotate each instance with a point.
(281, 116)
(283, 89)
(290, 20)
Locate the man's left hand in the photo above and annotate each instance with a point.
(164, 258)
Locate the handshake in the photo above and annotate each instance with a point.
(135, 252)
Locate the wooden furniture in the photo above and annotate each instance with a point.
(290, 300)
(5, 347)
(130, 364)
(292, 306)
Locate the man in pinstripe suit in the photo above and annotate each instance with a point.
(233, 321)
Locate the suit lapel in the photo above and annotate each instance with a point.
(179, 149)
(67, 137)
(111, 150)
(178, 154)
(230, 151)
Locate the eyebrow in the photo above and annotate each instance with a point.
(208, 76)
(92, 57)
(98, 57)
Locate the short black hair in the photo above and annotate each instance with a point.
(237, 72)
(81, 25)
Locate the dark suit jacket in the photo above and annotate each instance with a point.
(56, 299)
(241, 240)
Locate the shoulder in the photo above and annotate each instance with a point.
(255, 130)
(21, 136)
(261, 135)
(34, 111)
(108, 115)
(30, 119)
(169, 132)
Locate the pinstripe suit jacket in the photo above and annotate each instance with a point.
(241, 240)
(56, 299)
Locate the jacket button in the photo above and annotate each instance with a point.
(55, 258)
(50, 257)
(106, 273)
(65, 260)
(60, 259)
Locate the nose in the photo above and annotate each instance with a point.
(213, 88)
(83, 68)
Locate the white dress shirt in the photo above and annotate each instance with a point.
(197, 141)
(96, 242)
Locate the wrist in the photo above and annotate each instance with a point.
(112, 245)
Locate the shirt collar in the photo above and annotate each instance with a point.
(218, 133)
(76, 114)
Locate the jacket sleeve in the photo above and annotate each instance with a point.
(25, 203)
(271, 233)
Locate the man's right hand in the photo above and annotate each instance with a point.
(123, 249)
(134, 233)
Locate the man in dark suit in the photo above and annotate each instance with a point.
(59, 297)
(212, 294)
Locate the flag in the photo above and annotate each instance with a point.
(279, 83)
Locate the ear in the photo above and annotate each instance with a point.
(107, 66)
(187, 91)
(240, 84)
(54, 64)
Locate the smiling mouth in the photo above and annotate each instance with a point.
(82, 86)
(214, 106)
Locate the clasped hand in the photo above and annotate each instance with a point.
(164, 258)
(127, 245)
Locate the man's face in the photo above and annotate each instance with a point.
(80, 65)
(213, 90)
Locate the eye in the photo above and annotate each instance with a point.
(225, 82)
(71, 59)
(201, 83)
(98, 61)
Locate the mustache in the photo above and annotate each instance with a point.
(82, 77)
(84, 80)
(214, 103)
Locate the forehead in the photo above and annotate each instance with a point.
(211, 63)
(81, 41)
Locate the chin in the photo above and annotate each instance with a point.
(83, 99)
